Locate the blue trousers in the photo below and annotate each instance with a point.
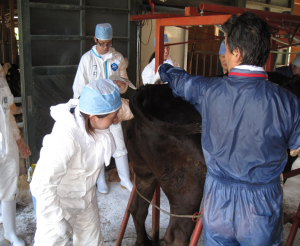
(237, 213)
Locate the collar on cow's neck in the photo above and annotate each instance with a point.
(248, 71)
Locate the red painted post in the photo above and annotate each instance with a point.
(125, 218)
(197, 231)
(296, 222)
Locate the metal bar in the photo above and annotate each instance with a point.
(153, 16)
(53, 70)
(26, 79)
(192, 30)
(281, 28)
(197, 231)
(296, 222)
(191, 41)
(159, 45)
(77, 7)
(4, 40)
(291, 173)
(82, 30)
(72, 37)
(195, 20)
(264, 5)
(235, 10)
(286, 46)
(197, 60)
(13, 46)
(125, 218)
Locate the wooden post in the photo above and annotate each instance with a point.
(4, 38)
(13, 46)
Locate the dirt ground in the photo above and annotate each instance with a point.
(112, 208)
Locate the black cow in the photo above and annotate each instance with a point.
(164, 146)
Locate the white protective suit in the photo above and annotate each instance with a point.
(9, 165)
(149, 71)
(64, 180)
(93, 67)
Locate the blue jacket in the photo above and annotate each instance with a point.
(248, 122)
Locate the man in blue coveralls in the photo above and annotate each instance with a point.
(248, 123)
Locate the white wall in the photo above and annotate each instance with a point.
(175, 35)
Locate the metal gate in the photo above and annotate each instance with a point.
(54, 34)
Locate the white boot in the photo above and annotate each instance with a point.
(0, 214)
(9, 223)
(101, 184)
(123, 172)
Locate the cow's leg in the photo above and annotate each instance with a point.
(139, 207)
(180, 230)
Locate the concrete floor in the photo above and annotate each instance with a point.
(112, 208)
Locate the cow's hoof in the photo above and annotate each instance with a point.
(147, 243)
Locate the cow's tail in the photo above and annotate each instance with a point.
(154, 124)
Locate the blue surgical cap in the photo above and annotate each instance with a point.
(222, 48)
(103, 31)
(100, 97)
(166, 40)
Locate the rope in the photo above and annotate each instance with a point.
(174, 215)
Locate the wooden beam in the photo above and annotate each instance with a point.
(13, 45)
(4, 38)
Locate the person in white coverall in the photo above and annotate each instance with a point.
(72, 156)
(149, 71)
(101, 62)
(12, 143)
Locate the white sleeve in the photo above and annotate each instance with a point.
(123, 67)
(81, 77)
(147, 75)
(56, 154)
(3, 135)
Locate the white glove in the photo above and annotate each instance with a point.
(294, 152)
(63, 229)
(156, 78)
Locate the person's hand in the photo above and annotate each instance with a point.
(63, 229)
(294, 152)
(122, 86)
(23, 148)
(124, 112)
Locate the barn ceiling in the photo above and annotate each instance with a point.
(279, 6)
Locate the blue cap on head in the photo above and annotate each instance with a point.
(103, 31)
(222, 48)
(100, 97)
(166, 40)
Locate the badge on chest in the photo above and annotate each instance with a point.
(114, 67)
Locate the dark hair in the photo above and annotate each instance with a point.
(250, 35)
(88, 127)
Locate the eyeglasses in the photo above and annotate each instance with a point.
(109, 44)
